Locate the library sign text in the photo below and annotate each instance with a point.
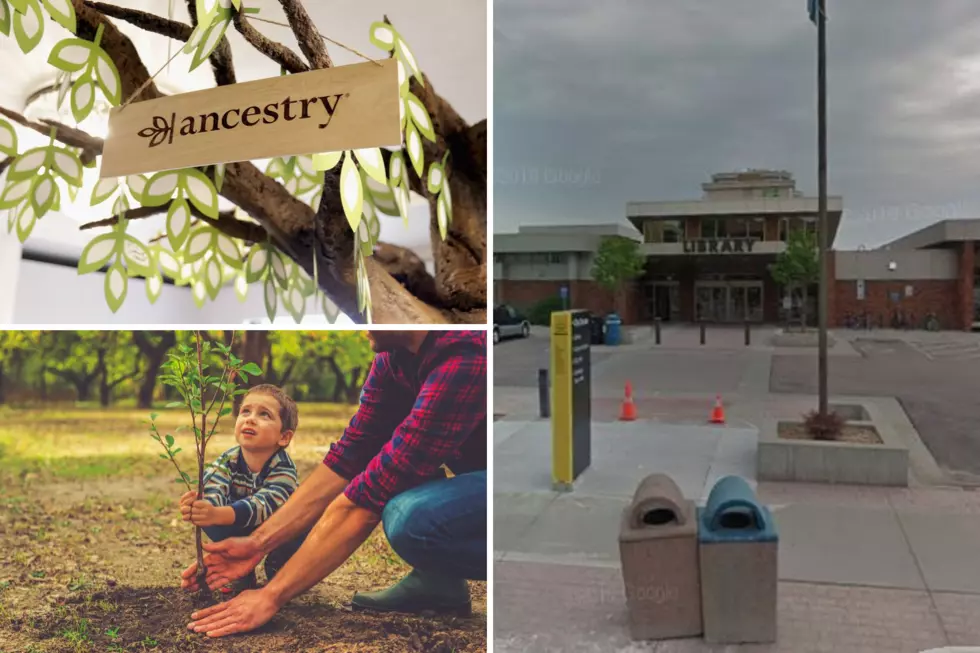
(719, 246)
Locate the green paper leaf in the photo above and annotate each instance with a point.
(160, 188)
(403, 52)
(201, 192)
(19, 6)
(115, 286)
(44, 194)
(372, 163)
(212, 278)
(178, 224)
(413, 143)
(199, 293)
(436, 178)
(103, 190)
(14, 192)
(26, 219)
(326, 160)
(82, 98)
(271, 300)
(68, 166)
(28, 26)
(448, 199)
(166, 263)
(256, 264)
(295, 303)
(241, 286)
(227, 249)
(382, 197)
(442, 216)
(330, 310)
(403, 88)
(204, 20)
(137, 257)
(71, 55)
(96, 253)
(5, 17)
(279, 270)
(383, 35)
(121, 205)
(306, 169)
(211, 37)
(219, 176)
(200, 243)
(62, 12)
(8, 137)
(136, 185)
(154, 286)
(420, 117)
(26, 166)
(351, 192)
(364, 239)
(64, 85)
(107, 75)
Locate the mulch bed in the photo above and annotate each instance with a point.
(854, 433)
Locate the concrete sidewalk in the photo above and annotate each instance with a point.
(861, 569)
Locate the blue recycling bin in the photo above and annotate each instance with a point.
(738, 551)
(613, 333)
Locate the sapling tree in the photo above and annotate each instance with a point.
(202, 385)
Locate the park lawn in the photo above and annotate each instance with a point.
(91, 546)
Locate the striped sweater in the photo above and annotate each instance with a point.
(229, 482)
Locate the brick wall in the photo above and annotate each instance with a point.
(939, 297)
(586, 295)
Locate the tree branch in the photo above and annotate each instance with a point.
(226, 222)
(409, 270)
(91, 146)
(272, 49)
(6, 163)
(310, 42)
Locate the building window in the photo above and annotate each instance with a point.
(714, 228)
(556, 259)
(790, 225)
(662, 231)
(757, 228)
(738, 228)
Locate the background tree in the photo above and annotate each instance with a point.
(305, 224)
(617, 261)
(153, 346)
(14, 350)
(798, 267)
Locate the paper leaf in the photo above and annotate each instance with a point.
(271, 300)
(108, 77)
(137, 257)
(403, 52)
(364, 239)
(5, 16)
(212, 278)
(68, 165)
(160, 188)
(383, 35)
(402, 199)
(96, 253)
(28, 26)
(305, 165)
(374, 225)
(61, 12)
(201, 192)
(121, 205)
(20, 6)
(326, 160)
(82, 98)
(396, 168)
(211, 38)
(403, 87)
(330, 309)
(199, 243)
(436, 177)
(104, 189)
(413, 143)
(199, 293)
(351, 192)
(166, 262)
(256, 263)
(448, 199)
(26, 166)
(8, 137)
(115, 286)
(26, 219)
(420, 116)
(154, 285)
(43, 195)
(70, 55)
(178, 224)
(219, 176)
(279, 270)
(442, 217)
(372, 163)
(64, 85)
(204, 20)
(227, 249)
(241, 287)
(14, 192)
(136, 184)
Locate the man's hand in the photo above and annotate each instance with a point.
(245, 612)
(225, 561)
(186, 501)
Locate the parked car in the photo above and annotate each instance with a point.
(508, 322)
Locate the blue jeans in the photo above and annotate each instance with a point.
(274, 561)
(441, 526)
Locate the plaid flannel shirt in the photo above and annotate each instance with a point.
(417, 413)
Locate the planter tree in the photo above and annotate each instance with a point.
(798, 267)
(307, 225)
(617, 261)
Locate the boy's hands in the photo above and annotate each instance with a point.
(202, 513)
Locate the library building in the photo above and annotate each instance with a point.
(709, 260)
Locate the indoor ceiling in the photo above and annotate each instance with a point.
(448, 38)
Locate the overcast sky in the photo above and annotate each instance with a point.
(600, 103)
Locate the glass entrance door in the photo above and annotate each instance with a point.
(729, 301)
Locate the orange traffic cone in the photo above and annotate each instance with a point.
(628, 412)
(718, 413)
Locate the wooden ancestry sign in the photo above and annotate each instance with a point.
(719, 246)
(327, 110)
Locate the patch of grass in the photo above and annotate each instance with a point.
(77, 635)
(79, 584)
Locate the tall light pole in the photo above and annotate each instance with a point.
(818, 13)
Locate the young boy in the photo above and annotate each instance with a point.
(250, 481)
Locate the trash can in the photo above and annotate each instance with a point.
(658, 551)
(598, 330)
(613, 335)
(738, 551)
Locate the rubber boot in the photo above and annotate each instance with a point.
(419, 593)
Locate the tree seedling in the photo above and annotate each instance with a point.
(201, 386)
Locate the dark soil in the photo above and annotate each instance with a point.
(155, 618)
(853, 433)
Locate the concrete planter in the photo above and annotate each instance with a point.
(810, 461)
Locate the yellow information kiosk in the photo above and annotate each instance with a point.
(571, 397)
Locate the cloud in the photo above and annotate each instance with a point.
(599, 104)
